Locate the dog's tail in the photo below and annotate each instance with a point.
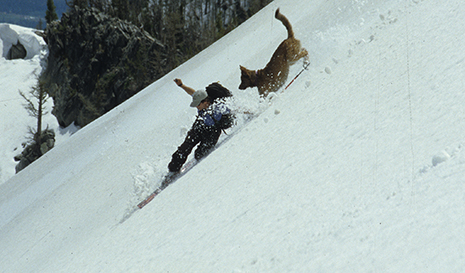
(286, 23)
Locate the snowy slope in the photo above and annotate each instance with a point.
(16, 75)
(357, 167)
(20, 75)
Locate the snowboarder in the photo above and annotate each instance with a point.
(213, 117)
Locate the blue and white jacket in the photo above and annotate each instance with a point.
(213, 113)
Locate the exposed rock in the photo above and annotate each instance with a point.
(96, 62)
(17, 51)
(33, 151)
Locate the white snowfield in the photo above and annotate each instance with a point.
(19, 75)
(358, 166)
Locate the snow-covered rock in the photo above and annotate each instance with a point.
(19, 75)
(10, 35)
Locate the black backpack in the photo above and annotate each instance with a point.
(217, 91)
(225, 122)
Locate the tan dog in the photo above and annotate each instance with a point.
(273, 76)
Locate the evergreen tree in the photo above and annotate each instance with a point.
(50, 14)
(40, 25)
(40, 141)
(77, 3)
(35, 107)
(121, 9)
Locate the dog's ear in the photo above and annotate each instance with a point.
(245, 80)
(244, 71)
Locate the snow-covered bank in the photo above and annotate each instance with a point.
(11, 35)
(15, 76)
(20, 75)
(345, 171)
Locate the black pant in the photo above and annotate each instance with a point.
(205, 136)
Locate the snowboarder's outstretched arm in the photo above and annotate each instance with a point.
(189, 90)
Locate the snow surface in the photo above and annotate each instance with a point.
(357, 167)
(20, 75)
